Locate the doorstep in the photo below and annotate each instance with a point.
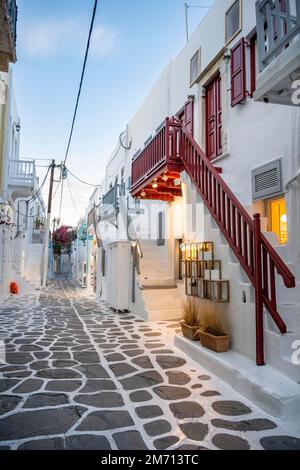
(265, 386)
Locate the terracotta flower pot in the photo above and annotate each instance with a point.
(189, 331)
(215, 343)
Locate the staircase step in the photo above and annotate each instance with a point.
(158, 286)
(169, 293)
(161, 303)
(164, 314)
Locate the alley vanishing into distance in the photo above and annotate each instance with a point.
(81, 376)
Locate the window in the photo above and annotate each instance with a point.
(195, 67)
(278, 219)
(233, 21)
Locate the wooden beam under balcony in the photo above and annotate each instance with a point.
(8, 21)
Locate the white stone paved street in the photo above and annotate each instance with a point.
(80, 376)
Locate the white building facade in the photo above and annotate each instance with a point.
(190, 186)
(21, 204)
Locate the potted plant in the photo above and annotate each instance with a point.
(211, 330)
(190, 323)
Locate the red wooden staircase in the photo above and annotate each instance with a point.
(258, 258)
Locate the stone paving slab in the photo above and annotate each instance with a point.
(80, 376)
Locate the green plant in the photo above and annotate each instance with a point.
(191, 313)
(211, 320)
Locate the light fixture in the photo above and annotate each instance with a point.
(183, 247)
(204, 247)
(283, 219)
(165, 178)
(154, 184)
(143, 194)
(177, 182)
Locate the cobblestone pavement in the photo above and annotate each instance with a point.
(79, 376)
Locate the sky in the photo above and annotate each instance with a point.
(132, 42)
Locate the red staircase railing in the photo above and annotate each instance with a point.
(174, 146)
(256, 255)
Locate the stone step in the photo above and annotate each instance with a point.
(161, 293)
(164, 314)
(265, 386)
(163, 303)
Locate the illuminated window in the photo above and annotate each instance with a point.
(278, 219)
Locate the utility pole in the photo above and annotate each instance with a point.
(186, 7)
(47, 228)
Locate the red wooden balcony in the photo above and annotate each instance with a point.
(156, 169)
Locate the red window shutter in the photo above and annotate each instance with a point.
(238, 73)
(211, 121)
(189, 116)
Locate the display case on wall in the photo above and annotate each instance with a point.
(202, 273)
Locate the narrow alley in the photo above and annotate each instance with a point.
(80, 376)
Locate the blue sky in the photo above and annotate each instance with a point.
(133, 40)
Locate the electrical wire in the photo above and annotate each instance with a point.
(77, 100)
(33, 198)
(61, 198)
(81, 79)
(46, 208)
(71, 194)
(83, 182)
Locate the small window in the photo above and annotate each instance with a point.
(195, 67)
(278, 219)
(233, 21)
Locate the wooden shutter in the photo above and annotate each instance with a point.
(211, 121)
(219, 116)
(189, 117)
(238, 73)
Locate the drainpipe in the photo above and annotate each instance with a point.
(292, 180)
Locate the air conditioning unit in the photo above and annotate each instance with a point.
(84, 277)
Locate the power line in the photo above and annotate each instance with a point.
(71, 194)
(81, 79)
(83, 182)
(46, 208)
(33, 198)
(77, 100)
(61, 198)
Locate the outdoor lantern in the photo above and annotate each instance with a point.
(204, 247)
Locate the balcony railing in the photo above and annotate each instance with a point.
(12, 13)
(22, 173)
(110, 201)
(155, 157)
(278, 24)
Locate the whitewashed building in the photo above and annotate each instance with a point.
(21, 206)
(209, 166)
